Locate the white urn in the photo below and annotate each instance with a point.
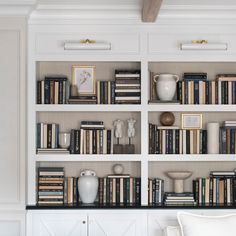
(166, 86)
(88, 186)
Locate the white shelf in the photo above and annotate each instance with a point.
(87, 108)
(192, 108)
(86, 158)
(190, 157)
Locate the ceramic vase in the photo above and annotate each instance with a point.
(213, 130)
(166, 86)
(88, 186)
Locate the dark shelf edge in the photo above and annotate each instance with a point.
(123, 207)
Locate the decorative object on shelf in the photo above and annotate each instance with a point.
(130, 148)
(166, 86)
(203, 45)
(83, 77)
(118, 169)
(88, 186)
(191, 121)
(213, 137)
(118, 127)
(179, 177)
(167, 118)
(64, 140)
(87, 44)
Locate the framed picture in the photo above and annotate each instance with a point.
(191, 121)
(83, 79)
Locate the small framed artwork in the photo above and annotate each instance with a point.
(191, 121)
(83, 80)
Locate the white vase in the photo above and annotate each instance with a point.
(213, 130)
(64, 139)
(88, 186)
(166, 86)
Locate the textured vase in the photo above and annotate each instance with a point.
(213, 130)
(166, 86)
(88, 186)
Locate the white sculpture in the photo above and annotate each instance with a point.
(118, 124)
(131, 130)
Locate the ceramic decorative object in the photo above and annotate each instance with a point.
(166, 86)
(118, 169)
(167, 118)
(118, 132)
(179, 177)
(88, 186)
(130, 148)
(64, 140)
(213, 130)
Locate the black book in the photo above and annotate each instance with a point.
(47, 92)
(55, 78)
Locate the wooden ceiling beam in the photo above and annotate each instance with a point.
(150, 10)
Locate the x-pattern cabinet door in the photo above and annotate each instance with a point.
(117, 223)
(59, 224)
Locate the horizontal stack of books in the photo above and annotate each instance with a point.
(119, 189)
(128, 87)
(182, 199)
(172, 140)
(91, 138)
(155, 191)
(83, 99)
(54, 89)
(106, 92)
(228, 138)
(50, 185)
(218, 189)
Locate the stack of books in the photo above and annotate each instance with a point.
(128, 87)
(172, 140)
(155, 191)
(176, 199)
(218, 189)
(50, 185)
(119, 189)
(91, 138)
(226, 88)
(106, 92)
(228, 138)
(47, 136)
(86, 99)
(54, 89)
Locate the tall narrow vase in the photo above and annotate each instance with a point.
(213, 130)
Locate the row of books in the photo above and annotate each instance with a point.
(91, 138)
(50, 185)
(119, 190)
(127, 86)
(106, 92)
(113, 189)
(219, 188)
(53, 90)
(47, 136)
(155, 191)
(172, 140)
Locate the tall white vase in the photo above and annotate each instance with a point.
(88, 186)
(213, 130)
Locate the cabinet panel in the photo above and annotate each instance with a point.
(120, 43)
(117, 224)
(170, 43)
(59, 224)
(9, 119)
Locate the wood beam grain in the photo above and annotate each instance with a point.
(150, 10)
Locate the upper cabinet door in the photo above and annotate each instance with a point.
(117, 223)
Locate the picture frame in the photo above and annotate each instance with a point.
(191, 121)
(83, 80)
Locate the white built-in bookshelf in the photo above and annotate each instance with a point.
(141, 164)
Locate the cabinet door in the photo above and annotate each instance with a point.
(59, 224)
(117, 223)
